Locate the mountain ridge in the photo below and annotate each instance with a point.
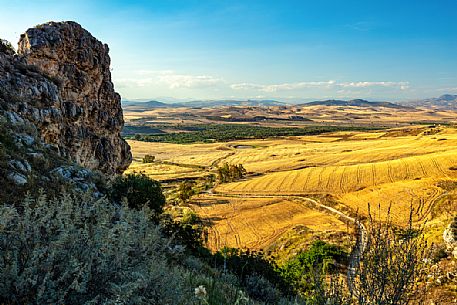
(354, 102)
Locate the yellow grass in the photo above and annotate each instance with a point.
(255, 223)
(196, 154)
(357, 170)
(160, 171)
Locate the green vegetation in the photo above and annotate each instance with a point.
(6, 47)
(139, 191)
(321, 257)
(187, 231)
(230, 172)
(148, 159)
(82, 250)
(186, 191)
(231, 132)
(74, 250)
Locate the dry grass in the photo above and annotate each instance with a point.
(161, 171)
(397, 169)
(256, 223)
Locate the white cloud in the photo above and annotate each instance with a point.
(318, 84)
(170, 79)
(399, 85)
(165, 80)
(281, 87)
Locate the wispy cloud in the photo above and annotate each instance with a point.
(318, 84)
(362, 26)
(281, 87)
(170, 79)
(399, 85)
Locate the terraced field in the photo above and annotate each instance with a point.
(383, 170)
(255, 223)
(393, 169)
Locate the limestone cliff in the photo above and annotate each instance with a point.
(450, 237)
(60, 81)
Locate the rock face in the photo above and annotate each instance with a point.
(60, 80)
(450, 237)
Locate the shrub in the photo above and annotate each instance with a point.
(261, 289)
(299, 272)
(73, 251)
(6, 47)
(185, 191)
(148, 159)
(139, 191)
(245, 263)
(392, 267)
(187, 233)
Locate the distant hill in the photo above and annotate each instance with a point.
(201, 104)
(148, 104)
(218, 103)
(446, 102)
(356, 102)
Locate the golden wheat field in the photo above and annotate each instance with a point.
(255, 223)
(392, 170)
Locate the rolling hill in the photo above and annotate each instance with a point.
(355, 102)
(445, 102)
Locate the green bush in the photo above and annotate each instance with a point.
(73, 251)
(186, 191)
(139, 191)
(148, 159)
(185, 234)
(320, 257)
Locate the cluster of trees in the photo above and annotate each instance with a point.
(148, 159)
(231, 132)
(230, 172)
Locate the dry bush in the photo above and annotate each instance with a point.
(392, 266)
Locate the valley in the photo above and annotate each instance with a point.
(389, 170)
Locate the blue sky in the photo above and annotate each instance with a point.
(286, 50)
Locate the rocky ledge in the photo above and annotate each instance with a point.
(60, 81)
(450, 237)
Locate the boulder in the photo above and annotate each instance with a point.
(60, 81)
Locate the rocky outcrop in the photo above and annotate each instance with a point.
(450, 237)
(60, 81)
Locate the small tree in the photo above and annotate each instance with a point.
(139, 190)
(186, 191)
(148, 159)
(231, 172)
